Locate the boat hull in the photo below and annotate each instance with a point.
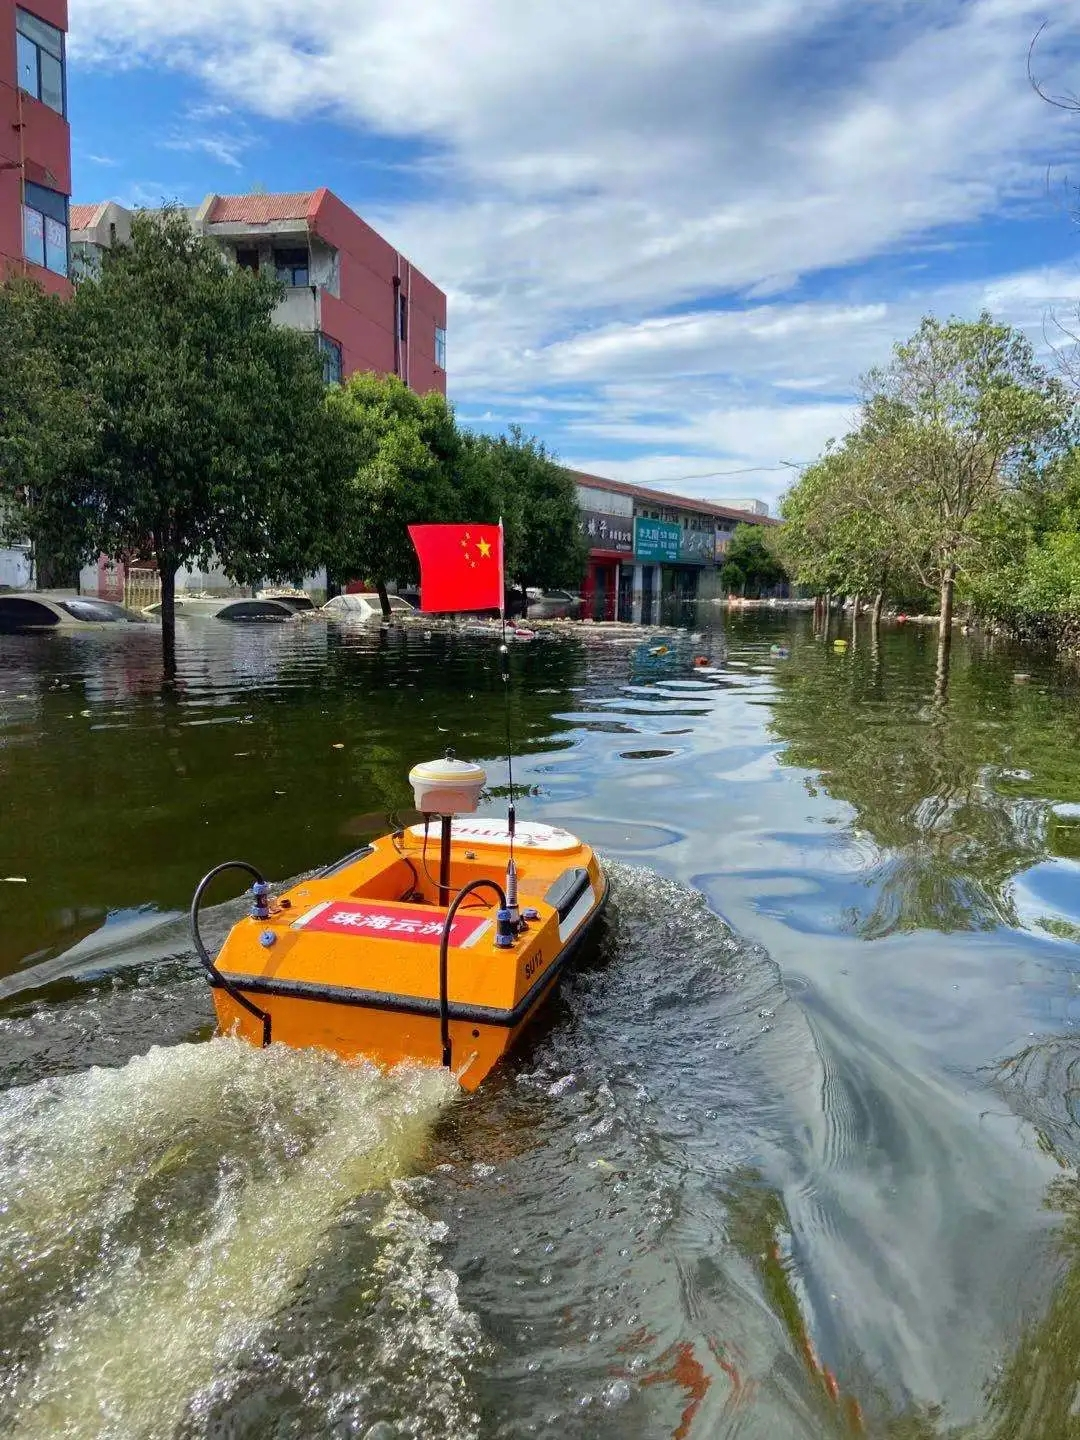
(328, 979)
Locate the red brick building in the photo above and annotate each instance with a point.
(35, 142)
(368, 306)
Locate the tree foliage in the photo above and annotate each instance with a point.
(544, 543)
(410, 463)
(960, 416)
(162, 414)
(45, 427)
(750, 564)
(947, 468)
(212, 437)
(406, 464)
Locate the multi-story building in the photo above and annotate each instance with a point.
(35, 169)
(651, 552)
(365, 304)
(35, 142)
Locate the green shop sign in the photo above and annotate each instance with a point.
(656, 540)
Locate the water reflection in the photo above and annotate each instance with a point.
(749, 1177)
(951, 800)
(272, 740)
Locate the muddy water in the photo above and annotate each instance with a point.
(791, 1154)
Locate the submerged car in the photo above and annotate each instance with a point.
(552, 605)
(298, 601)
(205, 607)
(365, 605)
(31, 610)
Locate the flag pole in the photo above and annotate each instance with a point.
(504, 657)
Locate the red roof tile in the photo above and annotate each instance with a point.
(665, 497)
(260, 209)
(81, 217)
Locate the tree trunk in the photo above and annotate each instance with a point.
(828, 618)
(944, 646)
(167, 570)
(875, 617)
(384, 598)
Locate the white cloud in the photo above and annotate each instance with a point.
(636, 207)
(212, 130)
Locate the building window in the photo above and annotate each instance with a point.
(403, 315)
(330, 351)
(40, 60)
(247, 259)
(292, 268)
(440, 347)
(45, 228)
(85, 259)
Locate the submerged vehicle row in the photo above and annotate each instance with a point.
(32, 611)
(50, 610)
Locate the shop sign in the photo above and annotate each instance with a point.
(657, 540)
(698, 547)
(607, 532)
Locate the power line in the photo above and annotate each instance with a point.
(716, 474)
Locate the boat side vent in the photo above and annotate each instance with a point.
(564, 892)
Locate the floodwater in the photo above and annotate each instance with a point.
(792, 1153)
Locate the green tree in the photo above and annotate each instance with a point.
(408, 464)
(44, 431)
(538, 500)
(212, 433)
(750, 563)
(839, 535)
(963, 410)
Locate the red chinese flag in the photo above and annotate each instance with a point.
(461, 566)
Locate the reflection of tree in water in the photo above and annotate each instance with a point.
(954, 796)
(274, 760)
(1035, 1393)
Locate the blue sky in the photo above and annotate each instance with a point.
(673, 235)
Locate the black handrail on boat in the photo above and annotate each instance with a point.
(444, 948)
(215, 974)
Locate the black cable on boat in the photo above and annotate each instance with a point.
(444, 957)
(215, 974)
(414, 884)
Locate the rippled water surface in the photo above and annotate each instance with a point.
(792, 1153)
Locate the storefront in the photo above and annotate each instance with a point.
(607, 590)
(656, 549)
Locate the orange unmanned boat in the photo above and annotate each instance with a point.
(375, 956)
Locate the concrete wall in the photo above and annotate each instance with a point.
(362, 317)
(16, 568)
(34, 141)
(299, 310)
